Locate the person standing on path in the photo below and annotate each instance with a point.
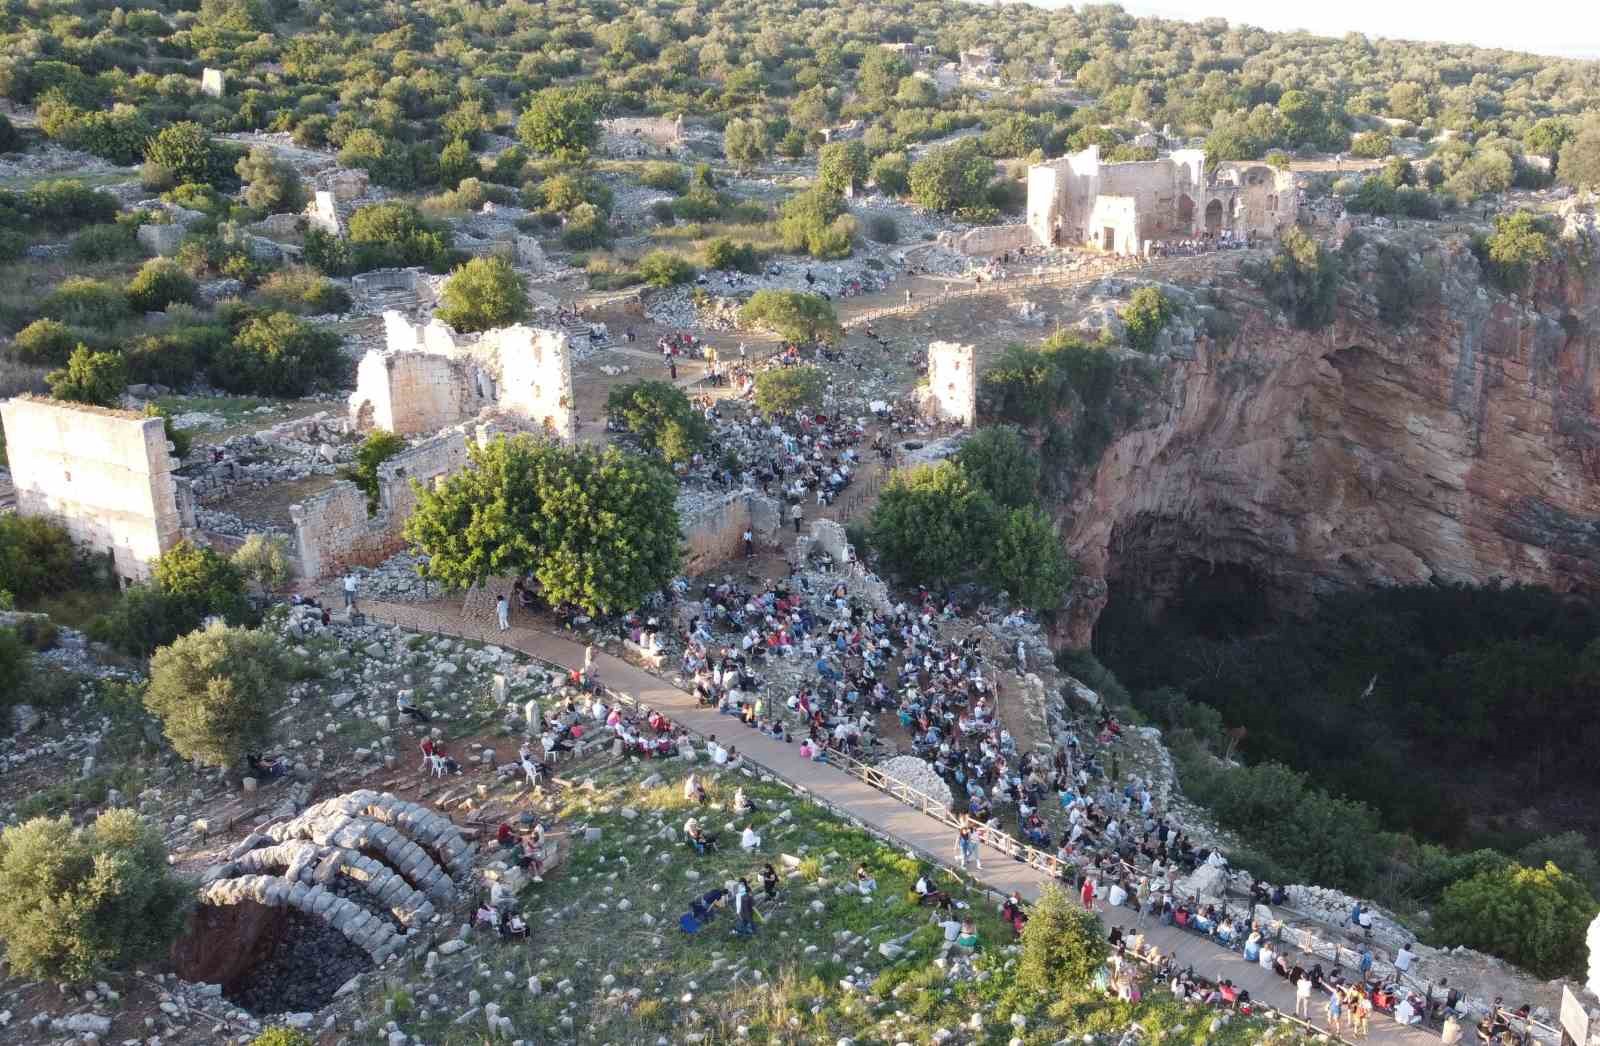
(749, 544)
(1302, 997)
(1335, 1013)
(350, 590)
(672, 367)
(967, 848)
(502, 611)
(796, 513)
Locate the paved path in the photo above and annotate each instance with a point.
(912, 828)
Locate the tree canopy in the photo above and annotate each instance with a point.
(217, 692)
(598, 529)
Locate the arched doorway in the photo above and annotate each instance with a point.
(1185, 214)
(1214, 217)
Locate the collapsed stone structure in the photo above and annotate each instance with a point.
(658, 129)
(369, 866)
(428, 377)
(334, 529)
(952, 391)
(713, 526)
(1078, 199)
(105, 475)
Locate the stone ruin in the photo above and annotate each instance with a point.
(323, 213)
(384, 289)
(302, 907)
(334, 528)
(347, 184)
(952, 390)
(105, 475)
(714, 524)
(428, 377)
(657, 129)
(213, 82)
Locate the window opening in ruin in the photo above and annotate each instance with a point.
(1108, 237)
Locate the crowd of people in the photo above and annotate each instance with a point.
(1205, 243)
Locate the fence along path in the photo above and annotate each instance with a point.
(888, 807)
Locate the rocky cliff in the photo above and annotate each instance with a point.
(1461, 442)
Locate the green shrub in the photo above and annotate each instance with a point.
(484, 293)
(16, 669)
(787, 389)
(84, 302)
(160, 283)
(1302, 279)
(999, 460)
(1026, 559)
(585, 227)
(95, 378)
(269, 184)
(723, 253)
(665, 269)
(264, 560)
(278, 355)
(108, 242)
(661, 416)
(396, 235)
(44, 341)
(177, 354)
(186, 151)
(928, 522)
(1371, 145)
(815, 222)
(282, 1037)
(1146, 316)
(77, 902)
(883, 229)
(1519, 242)
(1063, 946)
(65, 204)
(217, 692)
(951, 178)
(377, 448)
(796, 317)
(1535, 917)
(302, 291)
(668, 177)
(37, 557)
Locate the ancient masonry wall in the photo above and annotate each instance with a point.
(333, 530)
(657, 129)
(105, 475)
(713, 525)
(428, 377)
(993, 239)
(952, 382)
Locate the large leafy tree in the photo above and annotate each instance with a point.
(951, 177)
(484, 293)
(96, 378)
(78, 901)
(1027, 559)
(788, 389)
(1062, 945)
(1000, 461)
(661, 416)
(216, 692)
(596, 528)
(793, 316)
(930, 521)
(1536, 917)
(563, 122)
(185, 151)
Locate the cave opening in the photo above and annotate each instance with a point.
(268, 959)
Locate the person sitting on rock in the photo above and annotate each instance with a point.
(487, 915)
(864, 881)
(928, 896)
(514, 926)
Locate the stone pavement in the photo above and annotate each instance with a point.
(919, 832)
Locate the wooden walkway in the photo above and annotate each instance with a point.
(909, 827)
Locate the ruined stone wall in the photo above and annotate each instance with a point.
(333, 529)
(658, 129)
(1114, 224)
(993, 239)
(713, 525)
(952, 382)
(412, 393)
(105, 475)
(535, 377)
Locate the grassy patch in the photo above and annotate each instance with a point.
(76, 607)
(614, 965)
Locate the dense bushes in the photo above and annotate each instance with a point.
(377, 448)
(278, 355)
(95, 378)
(1302, 279)
(188, 584)
(664, 269)
(1146, 316)
(217, 692)
(36, 557)
(161, 282)
(953, 179)
(382, 236)
(77, 902)
(1063, 946)
(723, 253)
(484, 293)
(1536, 917)
(796, 317)
(1519, 242)
(817, 223)
(661, 416)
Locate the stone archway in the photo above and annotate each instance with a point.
(1185, 214)
(1214, 217)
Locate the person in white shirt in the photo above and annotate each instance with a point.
(349, 590)
(749, 839)
(719, 755)
(1118, 896)
(502, 612)
(1404, 958)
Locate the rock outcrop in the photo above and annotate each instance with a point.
(1460, 445)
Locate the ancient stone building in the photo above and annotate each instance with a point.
(213, 83)
(428, 377)
(1120, 207)
(953, 382)
(105, 475)
(658, 129)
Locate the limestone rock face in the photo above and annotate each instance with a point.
(1462, 445)
(1594, 955)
